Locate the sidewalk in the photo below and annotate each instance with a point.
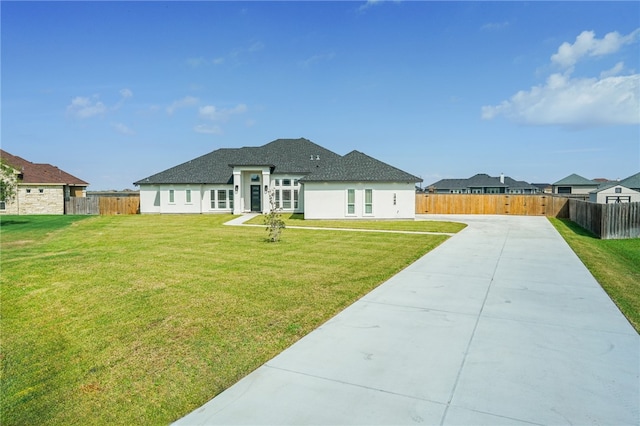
(502, 324)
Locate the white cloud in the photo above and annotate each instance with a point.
(212, 113)
(574, 102)
(123, 129)
(126, 93)
(208, 129)
(84, 107)
(317, 58)
(187, 101)
(495, 26)
(609, 99)
(587, 44)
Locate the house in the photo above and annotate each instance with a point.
(624, 191)
(614, 193)
(300, 176)
(41, 188)
(483, 184)
(574, 185)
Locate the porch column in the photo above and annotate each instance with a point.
(266, 182)
(238, 200)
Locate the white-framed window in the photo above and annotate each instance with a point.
(277, 182)
(222, 199)
(213, 198)
(286, 198)
(296, 182)
(368, 201)
(286, 182)
(351, 201)
(187, 195)
(618, 190)
(172, 196)
(295, 198)
(3, 205)
(231, 199)
(278, 199)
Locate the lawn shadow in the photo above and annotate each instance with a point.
(577, 229)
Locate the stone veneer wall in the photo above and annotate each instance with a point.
(44, 199)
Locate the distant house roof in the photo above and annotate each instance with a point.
(575, 180)
(481, 180)
(39, 173)
(282, 156)
(632, 182)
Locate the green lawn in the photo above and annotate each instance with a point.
(141, 319)
(614, 263)
(388, 225)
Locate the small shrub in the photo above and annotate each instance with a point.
(273, 220)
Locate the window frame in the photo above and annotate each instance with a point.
(351, 202)
(368, 201)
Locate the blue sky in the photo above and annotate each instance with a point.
(113, 92)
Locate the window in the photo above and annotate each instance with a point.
(231, 199)
(255, 178)
(368, 201)
(213, 198)
(286, 199)
(277, 182)
(296, 182)
(41, 191)
(395, 198)
(172, 196)
(286, 182)
(351, 201)
(28, 190)
(295, 198)
(3, 205)
(564, 190)
(277, 199)
(618, 190)
(222, 199)
(188, 195)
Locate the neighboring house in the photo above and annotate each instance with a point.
(624, 191)
(574, 185)
(614, 193)
(483, 184)
(632, 182)
(302, 176)
(41, 188)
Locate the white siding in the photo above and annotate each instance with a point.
(329, 200)
(610, 195)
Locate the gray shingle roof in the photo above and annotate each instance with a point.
(284, 156)
(575, 180)
(632, 181)
(359, 167)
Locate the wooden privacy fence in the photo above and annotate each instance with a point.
(103, 205)
(526, 205)
(607, 221)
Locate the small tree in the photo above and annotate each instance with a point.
(273, 220)
(8, 181)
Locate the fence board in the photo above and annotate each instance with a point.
(512, 204)
(81, 206)
(102, 205)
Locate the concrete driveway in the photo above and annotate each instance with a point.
(500, 325)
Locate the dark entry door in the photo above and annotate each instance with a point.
(256, 205)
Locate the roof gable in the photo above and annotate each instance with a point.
(632, 181)
(283, 156)
(38, 173)
(359, 167)
(575, 180)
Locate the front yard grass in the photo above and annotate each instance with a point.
(614, 263)
(141, 319)
(387, 225)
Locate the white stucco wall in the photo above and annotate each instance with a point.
(156, 199)
(329, 200)
(601, 196)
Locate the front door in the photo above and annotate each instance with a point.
(256, 202)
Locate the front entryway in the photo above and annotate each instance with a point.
(256, 200)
